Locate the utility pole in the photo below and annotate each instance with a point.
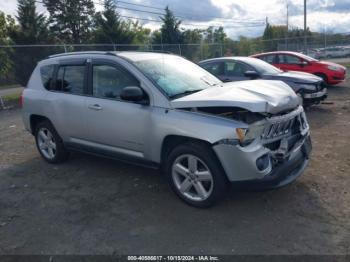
(325, 38)
(305, 33)
(287, 26)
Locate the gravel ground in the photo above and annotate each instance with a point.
(90, 205)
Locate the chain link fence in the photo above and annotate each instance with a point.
(18, 61)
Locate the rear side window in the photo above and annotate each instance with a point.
(70, 79)
(46, 73)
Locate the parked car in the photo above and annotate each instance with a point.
(332, 52)
(331, 73)
(164, 111)
(309, 87)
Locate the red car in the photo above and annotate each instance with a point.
(331, 73)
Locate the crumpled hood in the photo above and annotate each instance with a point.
(264, 96)
(299, 77)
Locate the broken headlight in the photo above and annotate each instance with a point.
(247, 135)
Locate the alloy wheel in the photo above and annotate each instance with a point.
(46, 143)
(192, 177)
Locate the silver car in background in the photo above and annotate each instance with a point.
(164, 111)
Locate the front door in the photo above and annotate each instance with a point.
(114, 124)
(291, 63)
(235, 71)
(217, 69)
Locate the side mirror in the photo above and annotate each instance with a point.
(251, 74)
(133, 94)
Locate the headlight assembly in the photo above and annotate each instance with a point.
(247, 135)
(334, 68)
(308, 86)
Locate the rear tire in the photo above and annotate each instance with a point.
(49, 143)
(195, 174)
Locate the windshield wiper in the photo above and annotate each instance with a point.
(188, 92)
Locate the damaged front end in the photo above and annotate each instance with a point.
(271, 149)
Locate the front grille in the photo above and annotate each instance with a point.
(285, 125)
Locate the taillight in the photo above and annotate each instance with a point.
(21, 100)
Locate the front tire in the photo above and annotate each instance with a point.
(195, 175)
(49, 143)
(324, 77)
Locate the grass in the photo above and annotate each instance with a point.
(346, 64)
(14, 96)
(9, 86)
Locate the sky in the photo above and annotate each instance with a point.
(238, 17)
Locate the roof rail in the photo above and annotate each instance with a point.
(83, 53)
(149, 51)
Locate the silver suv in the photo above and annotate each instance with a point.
(164, 111)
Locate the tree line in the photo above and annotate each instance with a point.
(77, 22)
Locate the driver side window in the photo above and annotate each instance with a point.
(108, 81)
(291, 60)
(235, 69)
(216, 68)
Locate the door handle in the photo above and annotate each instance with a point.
(95, 107)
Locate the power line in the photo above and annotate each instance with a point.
(147, 6)
(197, 25)
(255, 24)
(178, 16)
(182, 13)
(150, 12)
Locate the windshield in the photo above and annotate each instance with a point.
(263, 67)
(176, 76)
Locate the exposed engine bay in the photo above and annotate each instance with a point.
(280, 133)
(234, 113)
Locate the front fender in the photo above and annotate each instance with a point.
(208, 128)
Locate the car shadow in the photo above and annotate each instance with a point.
(91, 205)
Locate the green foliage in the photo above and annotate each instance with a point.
(71, 20)
(32, 26)
(7, 24)
(170, 32)
(32, 29)
(110, 28)
(191, 39)
(215, 35)
(141, 34)
(75, 21)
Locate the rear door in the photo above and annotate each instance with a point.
(66, 99)
(115, 125)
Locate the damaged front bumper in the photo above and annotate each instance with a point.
(315, 98)
(269, 162)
